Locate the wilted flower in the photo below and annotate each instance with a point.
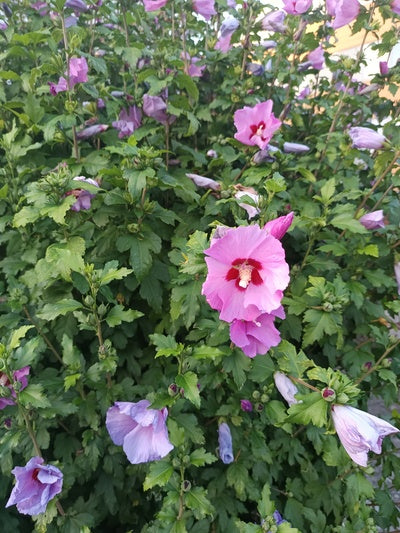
(359, 432)
(247, 273)
(19, 376)
(373, 220)
(274, 21)
(36, 484)
(256, 125)
(83, 197)
(256, 337)
(141, 432)
(263, 156)
(343, 11)
(202, 181)
(286, 387)
(225, 443)
(397, 275)
(77, 5)
(155, 107)
(205, 8)
(295, 148)
(86, 133)
(395, 5)
(128, 121)
(251, 210)
(296, 7)
(228, 27)
(153, 5)
(366, 138)
(383, 68)
(246, 406)
(279, 226)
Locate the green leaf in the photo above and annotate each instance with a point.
(110, 272)
(185, 302)
(140, 253)
(265, 506)
(186, 82)
(159, 474)
(327, 191)
(291, 361)
(52, 311)
(312, 409)
(262, 368)
(33, 396)
(118, 314)
(196, 500)
(33, 109)
(17, 336)
(200, 457)
(346, 221)
(188, 382)
(26, 215)
(238, 364)
(237, 476)
(320, 323)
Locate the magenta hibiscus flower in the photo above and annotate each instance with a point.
(247, 273)
(256, 125)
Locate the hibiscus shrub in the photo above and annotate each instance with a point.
(199, 272)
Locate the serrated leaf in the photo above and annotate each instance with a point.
(312, 409)
(17, 336)
(291, 361)
(320, 322)
(262, 368)
(346, 221)
(110, 274)
(196, 500)
(118, 314)
(159, 474)
(33, 395)
(189, 382)
(200, 457)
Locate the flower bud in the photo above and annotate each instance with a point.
(186, 485)
(246, 405)
(172, 389)
(328, 394)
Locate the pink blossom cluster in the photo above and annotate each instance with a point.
(247, 273)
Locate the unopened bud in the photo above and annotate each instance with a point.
(186, 485)
(172, 389)
(328, 394)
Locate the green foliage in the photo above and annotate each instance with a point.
(105, 303)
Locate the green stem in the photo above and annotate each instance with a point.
(304, 383)
(379, 361)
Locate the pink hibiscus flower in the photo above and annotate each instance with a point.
(256, 337)
(247, 273)
(256, 125)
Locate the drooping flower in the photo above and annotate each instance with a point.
(142, 432)
(128, 121)
(383, 68)
(257, 336)
(247, 273)
(366, 138)
(397, 276)
(295, 148)
(36, 484)
(83, 197)
(373, 220)
(77, 5)
(225, 443)
(19, 376)
(395, 5)
(343, 11)
(205, 8)
(296, 7)
(246, 405)
(274, 21)
(286, 387)
(202, 181)
(153, 5)
(155, 107)
(256, 125)
(228, 27)
(279, 226)
(251, 210)
(88, 132)
(359, 432)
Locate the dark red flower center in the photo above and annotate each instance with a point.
(258, 130)
(244, 272)
(35, 474)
